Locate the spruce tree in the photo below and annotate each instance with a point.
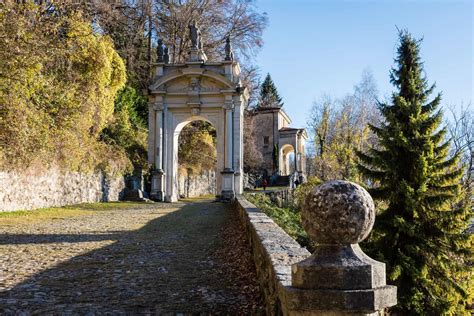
(420, 233)
(269, 96)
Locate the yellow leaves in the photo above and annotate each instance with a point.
(197, 149)
(57, 93)
(118, 75)
(395, 273)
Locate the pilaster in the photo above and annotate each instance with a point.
(158, 174)
(228, 185)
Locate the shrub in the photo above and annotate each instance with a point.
(288, 219)
(58, 82)
(303, 190)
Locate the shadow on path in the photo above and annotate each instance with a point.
(167, 266)
(19, 239)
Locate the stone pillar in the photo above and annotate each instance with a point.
(158, 175)
(228, 138)
(159, 138)
(238, 151)
(228, 190)
(338, 278)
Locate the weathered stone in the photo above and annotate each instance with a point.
(338, 212)
(274, 253)
(134, 195)
(183, 93)
(339, 278)
(36, 188)
(336, 302)
(136, 259)
(343, 268)
(272, 125)
(194, 185)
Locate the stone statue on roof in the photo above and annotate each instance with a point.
(229, 54)
(160, 51)
(195, 35)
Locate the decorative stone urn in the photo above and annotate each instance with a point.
(339, 278)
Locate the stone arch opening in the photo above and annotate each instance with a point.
(197, 158)
(195, 90)
(287, 154)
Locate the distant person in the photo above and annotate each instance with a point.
(264, 184)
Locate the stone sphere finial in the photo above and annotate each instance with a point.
(338, 213)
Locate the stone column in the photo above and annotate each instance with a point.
(228, 191)
(338, 278)
(228, 138)
(296, 153)
(157, 183)
(238, 158)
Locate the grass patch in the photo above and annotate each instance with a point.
(268, 189)
(198, 198)
(64, 211)
(288, 219)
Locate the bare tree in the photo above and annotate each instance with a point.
(461, 132)
(217, 20)
(319, 123)
(136, 25)
(253, 159)
(339, 127)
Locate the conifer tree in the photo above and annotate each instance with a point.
(269, 96)
(275, 157)
(420, 233)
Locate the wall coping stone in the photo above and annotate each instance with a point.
(274, 253)
(294, 282)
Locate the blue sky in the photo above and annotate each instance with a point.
(322, 47)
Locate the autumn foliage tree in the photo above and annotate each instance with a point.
(197, 148)
(339, 127)
(58, 82)
(136, 25)
(421, 233)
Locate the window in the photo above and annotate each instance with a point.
(265, 141)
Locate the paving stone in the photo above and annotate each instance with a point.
(159, 259)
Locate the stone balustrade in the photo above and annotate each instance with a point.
(338, 278)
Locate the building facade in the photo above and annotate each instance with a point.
(282, 147)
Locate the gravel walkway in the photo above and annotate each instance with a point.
(155, 259)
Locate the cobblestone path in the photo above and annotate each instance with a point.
(153, 259)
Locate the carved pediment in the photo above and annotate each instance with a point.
(186, 80)
(192, 84)
(179, 84)
(210, 85)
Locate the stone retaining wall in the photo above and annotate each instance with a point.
(33, 189)
(197, 185)
(274, 252)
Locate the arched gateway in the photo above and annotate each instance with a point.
(196, 90)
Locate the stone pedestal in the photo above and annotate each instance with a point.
(197, 55)
(228, 190)
(157, 185)
(339, 278)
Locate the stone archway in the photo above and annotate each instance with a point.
(292, 141)
(197, 160)
(285, 152)
(196, 90)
